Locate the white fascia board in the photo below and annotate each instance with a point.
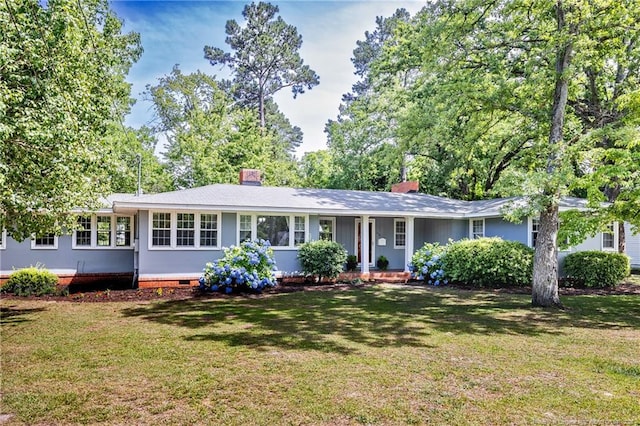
(127, 207)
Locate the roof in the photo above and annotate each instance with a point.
(303, 200)
(225, 197)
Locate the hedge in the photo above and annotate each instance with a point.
(597, 268)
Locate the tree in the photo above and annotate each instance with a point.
(134, 149)
(266, 58)
(62, 83)
(515, 67)
(209, 137)
(363, 140)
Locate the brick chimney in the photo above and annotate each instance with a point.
(250, 177)
(408, 187)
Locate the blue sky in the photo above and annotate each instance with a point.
(175, 32)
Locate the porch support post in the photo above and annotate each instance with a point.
(409, 241)
(364, 244)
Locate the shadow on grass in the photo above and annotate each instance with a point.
(11, 315)
(339, 321)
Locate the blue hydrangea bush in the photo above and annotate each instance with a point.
(426, 264)
(247, 267)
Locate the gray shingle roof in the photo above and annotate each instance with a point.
(266, 198)
(226, 197)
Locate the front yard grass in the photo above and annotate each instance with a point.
(385, 354)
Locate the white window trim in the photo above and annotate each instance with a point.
(94, 234)
(371, 240)
(471, 237)
(615, 239)
(3, 243)
(394, 233)
(35, 247)
(174, 230)
(333, 226)
(254, 227)
(530, 230)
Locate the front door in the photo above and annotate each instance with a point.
(372, 245)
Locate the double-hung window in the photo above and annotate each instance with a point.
(535, 226)
(83, 233)
(208, 230)
(327, 228)
(476, 228)
(399, 233)
(104, 231)
(3, 239)
(609, 237)
(123, 231)
(184, 230)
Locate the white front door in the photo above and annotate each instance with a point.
(372, 244)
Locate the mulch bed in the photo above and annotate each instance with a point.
(129, 295)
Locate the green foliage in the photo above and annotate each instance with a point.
(265, 60)
(352, 262)
(248, 266)
(62, 84)
(382, 263)
(32, 281)
(597, 268)
(426, 264)
(489, 262)
(322, 258)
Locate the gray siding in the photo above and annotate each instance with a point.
(83, 261)
(498, 227)
(633, 246)
(346, 232)
(439, 230)
(385, 229)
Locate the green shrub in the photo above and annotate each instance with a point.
(352, 262)
(597, 268)
(382, 263)
(322, 258)
(426, 264)
(34, 280)
(489, 262)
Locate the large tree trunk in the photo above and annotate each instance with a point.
(622, 238)
(545, 265)
(545, 262)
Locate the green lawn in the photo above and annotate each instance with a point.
(379, 355)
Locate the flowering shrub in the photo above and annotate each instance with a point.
(248, 266)
(426, 264)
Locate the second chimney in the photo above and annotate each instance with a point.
(408, 187)
(250, 177)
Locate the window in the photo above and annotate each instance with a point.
(327, 228)
(83, 234)
(123, 231)
(104, 231)
(161, 229)
(208, 230)
(399, 233)
(477, 228)
(279, 230)
(46, 241)
(609, 238)
(245, 228)
(186, 228)
(299, 230)
(3, 239)
(535, 225)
